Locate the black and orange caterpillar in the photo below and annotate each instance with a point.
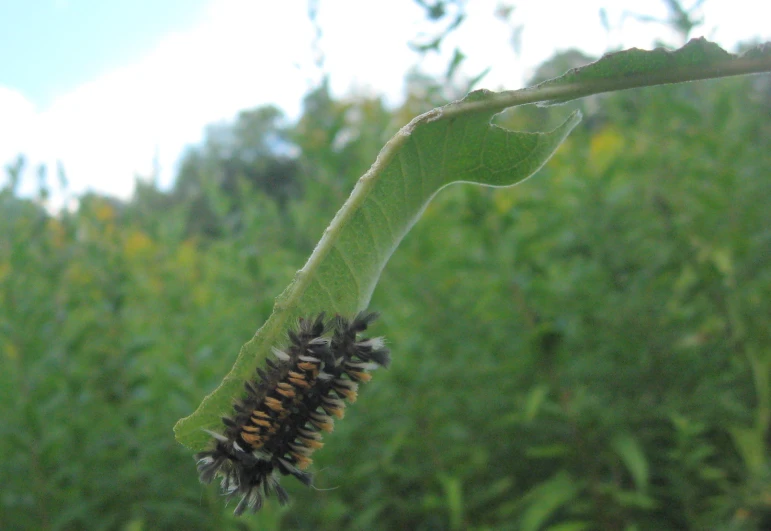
(278, 424)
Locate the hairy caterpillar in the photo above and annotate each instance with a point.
(278, 424)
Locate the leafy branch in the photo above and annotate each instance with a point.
(450, 144)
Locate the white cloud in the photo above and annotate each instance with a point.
(18, 118)
(108, 130)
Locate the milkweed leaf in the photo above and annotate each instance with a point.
(451, 144)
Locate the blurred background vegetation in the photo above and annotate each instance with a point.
(588, 350)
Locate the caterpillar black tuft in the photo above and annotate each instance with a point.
(278, 424)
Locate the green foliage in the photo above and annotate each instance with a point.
(252, 152)
(586, 351)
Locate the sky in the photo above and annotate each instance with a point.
(113, 89)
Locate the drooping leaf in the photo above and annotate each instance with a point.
(438, 148)
(454, 143)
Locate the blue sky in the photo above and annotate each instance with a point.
(49, 47)
(107, 87)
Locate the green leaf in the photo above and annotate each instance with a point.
(631, 453)
(455, 143)
(453, 493)
(634, 499)
(546, 499)
(750, 442)
(698, 59)
(533, 402)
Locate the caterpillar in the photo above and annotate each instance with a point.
(278, 424)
